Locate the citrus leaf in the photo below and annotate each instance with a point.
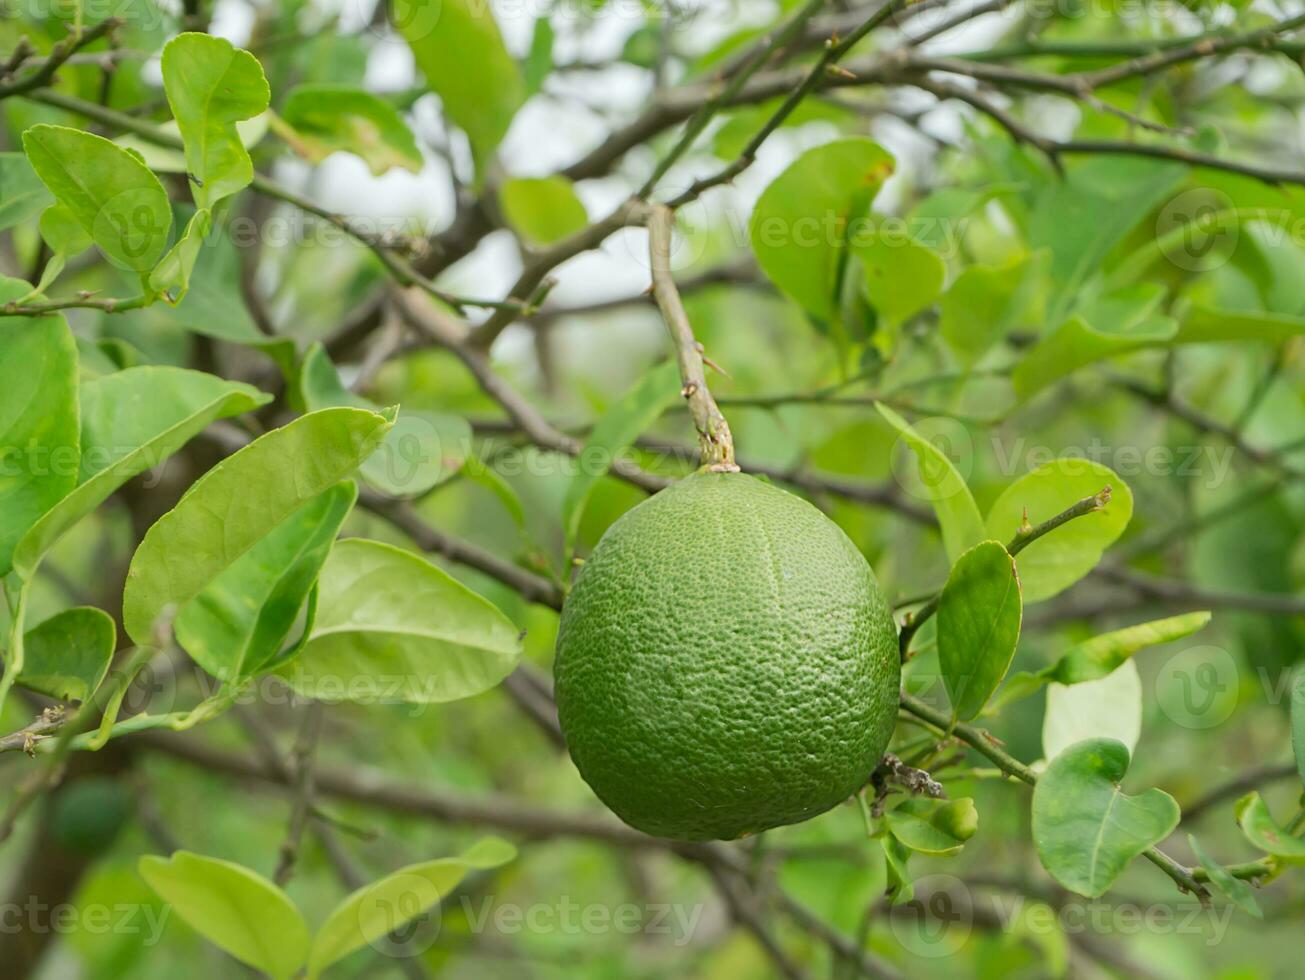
(902, 276)
(542, 210)
(240, 620)
(67, 656)
(799, 225)
(113, 196)
(986, 302)
(458, 47)
(211, 85)
(1095, 658)
(219, 518)
(1057, 560)
(39, 431)
(1264, 832)
(233, 908)
(172, 275)
(374, 911)
(322, 119)
(615, 432)
(1203, 325)
(932, 826)
(22, 195)
(131, 421)
(978, 626)
(1085, 828)
(392, 625)
(167, 160)
(958, 514)
(1236, 890)
(1109, 707)
(422, 450)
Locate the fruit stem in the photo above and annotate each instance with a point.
(715, 443)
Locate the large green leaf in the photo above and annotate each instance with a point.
(39, 432)
(1267, 834)
(616, 431)
(458, 47)
(235, 504)
(67, 656)
(1095, 658)
(542, 210)
(372, 912)
(902, 276)
(392, 626)
(1084, 216)
(240, 620)
(958, 514)
(422, 449)
(800, 223)
(132, 421)
(1118, 323)
(978, 626)
(1109, 707)
(211, 85)
(986, 302)
(113, 196)
(22, 195)
(318, 120)
(1059, 559)
(1086, 830)
(1204, 324)
(932, 826)
(234, 908)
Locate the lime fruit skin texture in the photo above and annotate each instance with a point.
(726, 662)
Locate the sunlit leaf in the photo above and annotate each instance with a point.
(1109, 707)
(542, 210)
(1085, 828)
(323, 119)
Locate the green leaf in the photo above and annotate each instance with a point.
(39, 430)
(172, 275)
(422, 450)
(985, 303)
(1108, 707)
(539, 59)
(233, 908)
(166, 160)
(616, 431)
(132, 421)
(800, 223)
(1059, 559)
(374, 911)
(391, 625)
(219, 518)
(1119, 323)
(542, 210)
(958, 514)
(930, 826)
(67, 656)
(978, 626)
(319, 120)
(1095, 658)
(22, 195)
(239, 622)
(62, 232)
(113, 196)
(1237, 891)
(458, 47)
(211, 85)
(1264, 832)
(1204, 324)
(1085, 829)
(902, 276)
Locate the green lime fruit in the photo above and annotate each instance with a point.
(725, 662)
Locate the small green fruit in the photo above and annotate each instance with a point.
(726, 662)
